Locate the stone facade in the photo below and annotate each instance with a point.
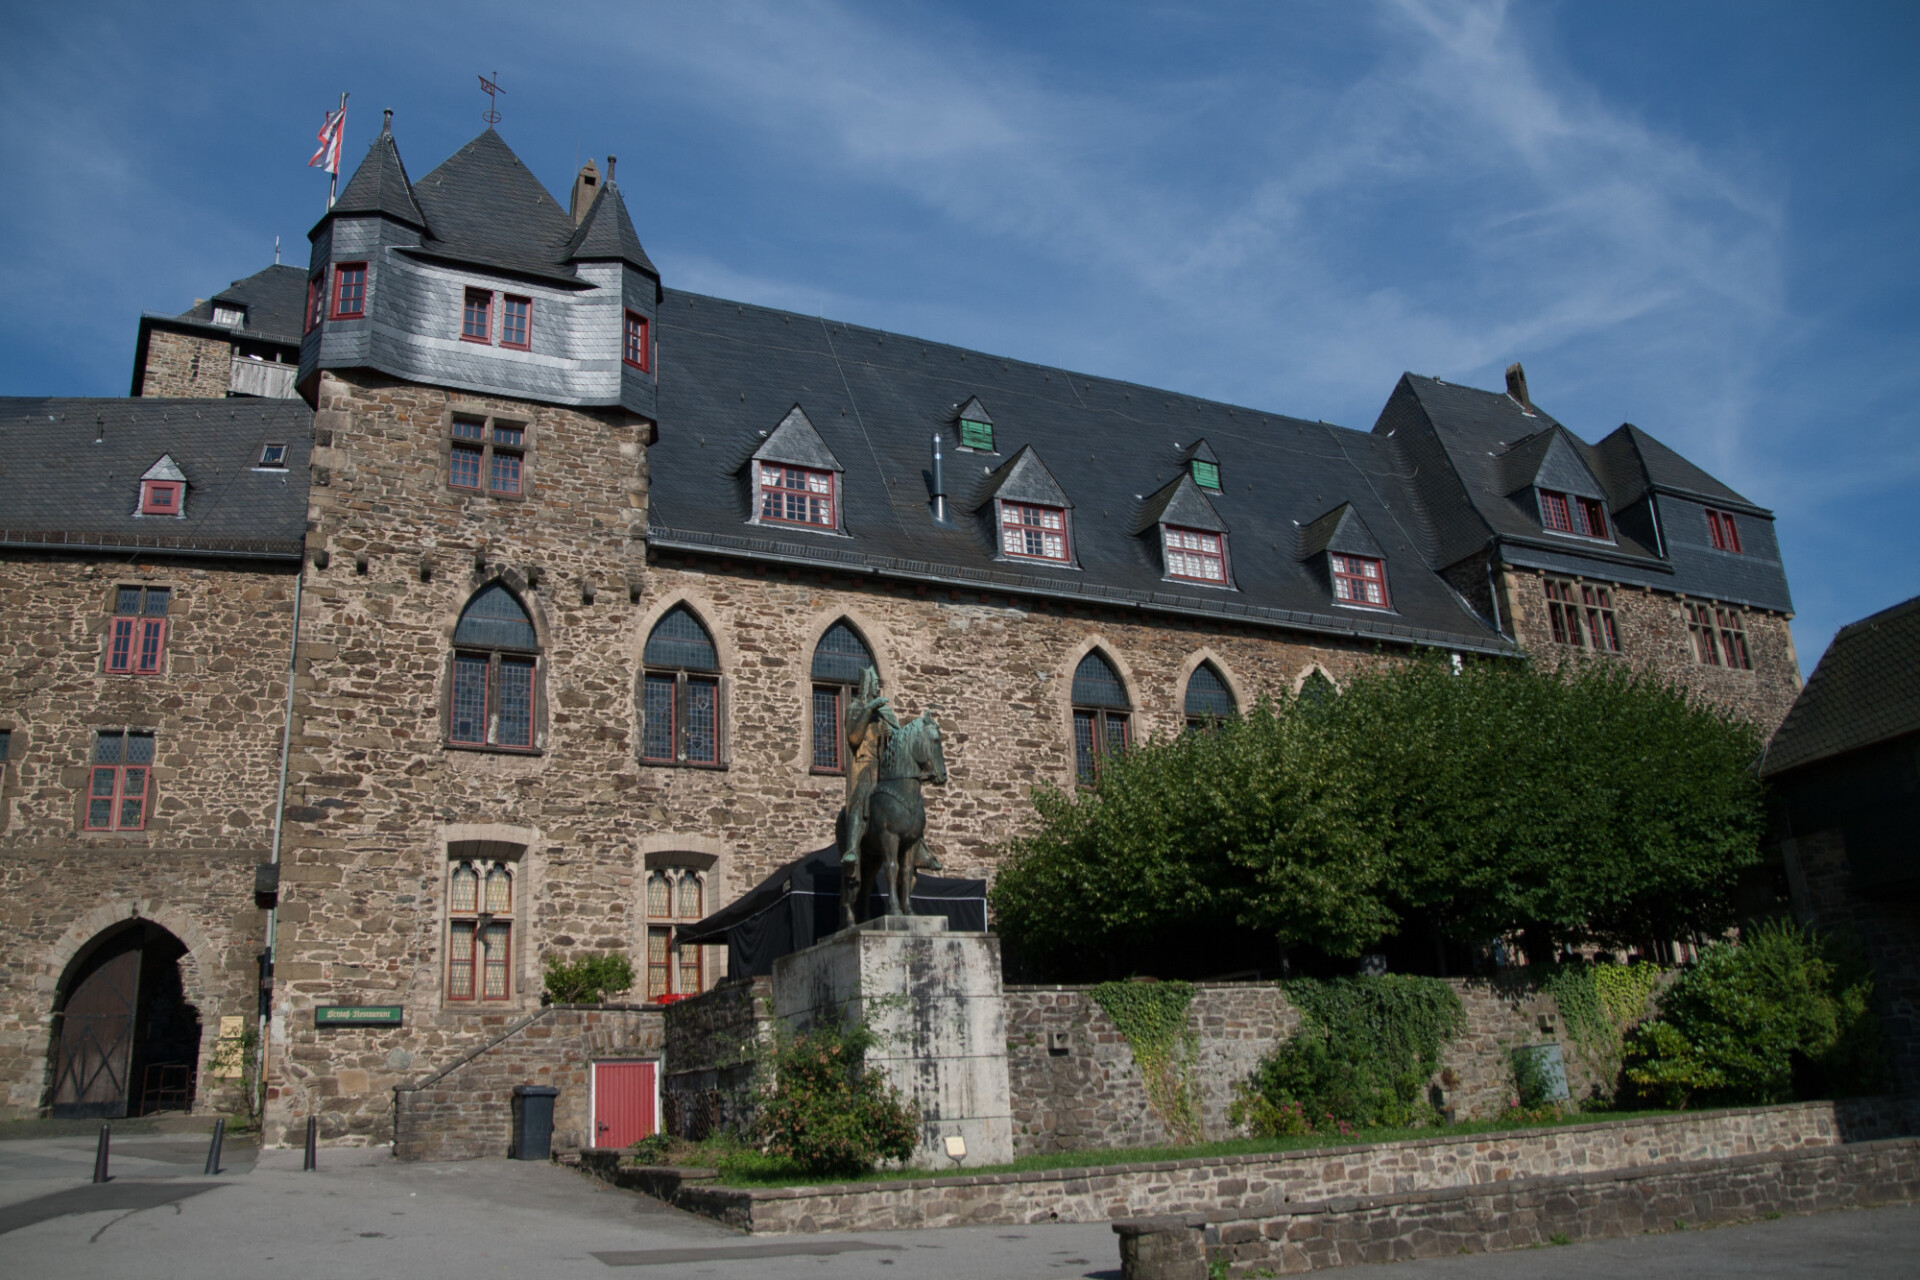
(1252, 1185)
(1526, 1214)
(378, 803)
(464, 1111)
(1653, 634)
(714, 1060)
(215, 709)
(186, 364)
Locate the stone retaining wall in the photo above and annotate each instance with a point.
(464, 1111)
(1262, 1183)
(1524, 1214)
(1075, 1085)
(711, 1074)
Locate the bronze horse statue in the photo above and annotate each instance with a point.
(896, 826)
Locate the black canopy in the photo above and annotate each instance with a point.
(799, 905)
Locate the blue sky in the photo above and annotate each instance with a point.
(1698, 218)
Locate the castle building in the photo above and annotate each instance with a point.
(572, 574)
(243, 341)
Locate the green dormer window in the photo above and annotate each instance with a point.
(1206, 474)
(976, 435)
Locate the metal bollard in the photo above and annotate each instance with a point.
(100, 1154)
(312, 1161)
(213, 1147)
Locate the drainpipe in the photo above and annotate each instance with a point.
(939, 484)
(279, 820)
(1493, 586)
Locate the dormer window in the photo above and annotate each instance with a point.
(273, 457)
(1206, 474)
(796, 495)
(1195, 556)
(1033, 533)
(228, 315)
(1724, 532)
(1569, 513)
(1359, 580)
(161, 497)
(976, 435)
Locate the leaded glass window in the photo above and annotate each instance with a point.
(494, 685)
(1209, 701)
(838, 660)
(680, 698)
(479, 930)
(1101, 723)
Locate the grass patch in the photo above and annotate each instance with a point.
(747, 1168)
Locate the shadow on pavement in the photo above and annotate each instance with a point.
(99, 1198)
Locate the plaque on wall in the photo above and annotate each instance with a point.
(356, 1015)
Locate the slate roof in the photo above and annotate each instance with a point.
(730, 371)
(485, 207)
(275, 300)
(71, 471)
(1865, 690)
(607, 233)
(380, 185)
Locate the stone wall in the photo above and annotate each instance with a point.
(377, 799)
(713, 1067)
(1085, 1092)
(1229, 1186)
(1653, 637)
(1525, 1214)
(464, 1111)
(216, 712)
(186, 364)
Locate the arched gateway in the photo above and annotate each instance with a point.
(125, 1040)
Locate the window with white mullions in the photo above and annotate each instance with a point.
(1359, 580)
(676, 897)
(796, 495)
(1032, 532)
(1196, 556)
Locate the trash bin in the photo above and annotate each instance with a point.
(533, 1121)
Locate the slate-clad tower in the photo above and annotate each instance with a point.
(482, 370)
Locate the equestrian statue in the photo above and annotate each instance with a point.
(884, 822)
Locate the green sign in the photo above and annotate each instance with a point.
(356, 1015)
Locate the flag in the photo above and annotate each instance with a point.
(328, 156)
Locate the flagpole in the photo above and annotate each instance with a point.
(333, 178)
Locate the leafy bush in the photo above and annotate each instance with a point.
(828, 1114)
(1363, 1054)
(1781, 1014)
(588, 980)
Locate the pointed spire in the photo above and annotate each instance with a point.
(380, 185)
(606, 232)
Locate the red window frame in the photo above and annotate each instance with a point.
(636, 351)
(829, 738)
(470, 966)
(682, 692)
(1586, 517)
(1733, 639)
(1188, 547)
(476, 312)
(316, 303)
(491, 669)
(1706, 644)
(150, 491)
(120, 785)
(504, 470)
(1351, 580)
(349, 290)
(1097, 734)
(1724, 532)
(786, 488)
(136, 642)
(522, 322)
(1027, 523)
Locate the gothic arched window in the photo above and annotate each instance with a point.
(676, 897)
(838, 660)
(680, 706)
(496, 657)
(480, 930)
(1209, 701)
(1101, 721)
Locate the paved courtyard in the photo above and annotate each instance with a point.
(362, 1214)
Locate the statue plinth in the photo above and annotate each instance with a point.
(934, 998)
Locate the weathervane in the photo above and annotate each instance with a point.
(491, 88)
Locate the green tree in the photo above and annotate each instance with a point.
(1583, 801)
(829, 1114)
(589, 980)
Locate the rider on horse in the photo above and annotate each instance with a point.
(870, 724)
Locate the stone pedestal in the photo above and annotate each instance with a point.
(934, 998)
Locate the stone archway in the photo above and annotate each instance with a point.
(126, 1038)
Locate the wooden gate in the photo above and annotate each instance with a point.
(95, 1055)
(622, 1103)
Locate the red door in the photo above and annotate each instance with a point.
(622, 1103)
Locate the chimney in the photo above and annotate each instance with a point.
(1517, 386)
(586, 185)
